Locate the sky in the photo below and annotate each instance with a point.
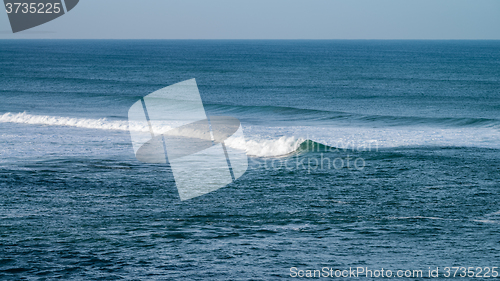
(270, 19)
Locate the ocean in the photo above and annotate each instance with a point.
(364, 154)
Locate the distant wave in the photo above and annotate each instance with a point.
(299, 114)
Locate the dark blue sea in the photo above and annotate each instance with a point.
(362, 154)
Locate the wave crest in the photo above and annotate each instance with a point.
(100, 124)
(266, 148)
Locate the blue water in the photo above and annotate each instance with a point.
(424, 117)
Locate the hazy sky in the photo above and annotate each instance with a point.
(272, 19)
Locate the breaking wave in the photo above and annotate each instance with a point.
(263, 141)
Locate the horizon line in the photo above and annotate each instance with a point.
(253, 39)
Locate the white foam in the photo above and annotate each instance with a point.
(266, 147)
(487, 221)
(99, 124)
(255, 147)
